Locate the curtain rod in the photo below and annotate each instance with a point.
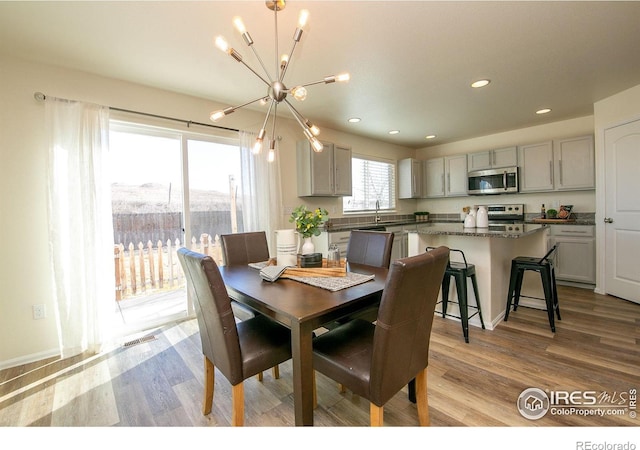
(39, 96)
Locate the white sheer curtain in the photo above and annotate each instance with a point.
(80, 224)
(261, 194)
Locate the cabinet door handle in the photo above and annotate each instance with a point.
(449, 182)
(608, 220)
(551, 172)
(560, 170)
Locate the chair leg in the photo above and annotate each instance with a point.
(516, 296)
(276, 371)
(237, 405)
(260, 376)
(209, 378)
(376, 413)
(474, 282)
(446, 281)
(341, 388)
(548, 296)
(461, 289)
(315, 391)
(422, 398)
(555, 292)
(512, 286)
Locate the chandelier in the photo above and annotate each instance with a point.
(276, 90)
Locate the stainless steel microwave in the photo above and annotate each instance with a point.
(493, 181)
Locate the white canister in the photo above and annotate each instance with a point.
(482, 217)
(286, 248)
(470, 221)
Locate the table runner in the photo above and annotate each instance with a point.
(335, 283)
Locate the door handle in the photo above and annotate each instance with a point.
(608, 220)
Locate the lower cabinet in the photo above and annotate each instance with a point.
(575, 259)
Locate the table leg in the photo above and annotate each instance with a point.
(302, 359)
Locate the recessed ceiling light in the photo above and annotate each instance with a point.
(480, 83)
(430, 136)
(354, 120)
(543, 111)
(394, 131)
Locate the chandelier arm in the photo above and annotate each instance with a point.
(254, 72)
(289, 58)
(248, 103)
(266, 119)
(275, 19)
(255, 52)
(275, 117)
(299, 117)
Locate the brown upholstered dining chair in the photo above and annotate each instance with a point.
(240, 249)
(372, 248)
(238, 350)
(244, 248)
(376, 361)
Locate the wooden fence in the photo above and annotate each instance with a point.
(142, 270)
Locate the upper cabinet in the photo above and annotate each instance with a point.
(561, 165)
(323, 174)
(574, 164)
(410, 178)
(445, 176)
(503, 157)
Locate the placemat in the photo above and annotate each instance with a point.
(335, 283)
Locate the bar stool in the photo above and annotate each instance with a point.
(547, 272)
(460, 271)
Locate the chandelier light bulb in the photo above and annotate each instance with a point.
(217, 115)
(271, 156)
(316, 144)
(303, 18)
(314, 129)
(284, 60)
(299, 93)
(257, 147)
(343, 77)
(221, 43)
(237, 22)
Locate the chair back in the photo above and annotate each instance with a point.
(218, 332)
(548, 255)
(372, 248)
(403, 328)
(244, 248)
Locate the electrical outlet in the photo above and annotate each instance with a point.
(39, 312)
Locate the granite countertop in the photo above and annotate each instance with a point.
(457, 229)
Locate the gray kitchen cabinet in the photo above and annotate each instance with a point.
(536, 167)
(323, 174)
(574, 164)
(490, 159)
(445, 176)
(410, 178)
(575, 259)
(560, 165)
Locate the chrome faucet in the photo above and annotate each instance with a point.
(377, 211)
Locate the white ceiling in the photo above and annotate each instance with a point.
(411, 62)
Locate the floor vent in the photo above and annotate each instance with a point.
(139, 341)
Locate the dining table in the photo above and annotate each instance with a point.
(303, 308)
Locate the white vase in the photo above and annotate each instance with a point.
(482, 217)
(307, 246)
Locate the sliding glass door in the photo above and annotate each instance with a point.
(169, 189)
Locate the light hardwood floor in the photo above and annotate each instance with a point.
(159, 382)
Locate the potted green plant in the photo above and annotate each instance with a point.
(308, 223)
(552, 213)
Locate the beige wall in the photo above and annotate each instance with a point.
(583, 201)
(24, 268)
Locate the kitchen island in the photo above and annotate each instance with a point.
(491, 250)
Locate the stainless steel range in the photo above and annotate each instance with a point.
(508, 217)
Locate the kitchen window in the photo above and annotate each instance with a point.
(373, 181)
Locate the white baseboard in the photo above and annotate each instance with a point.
(29, 358)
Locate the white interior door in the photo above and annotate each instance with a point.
(622, 211)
